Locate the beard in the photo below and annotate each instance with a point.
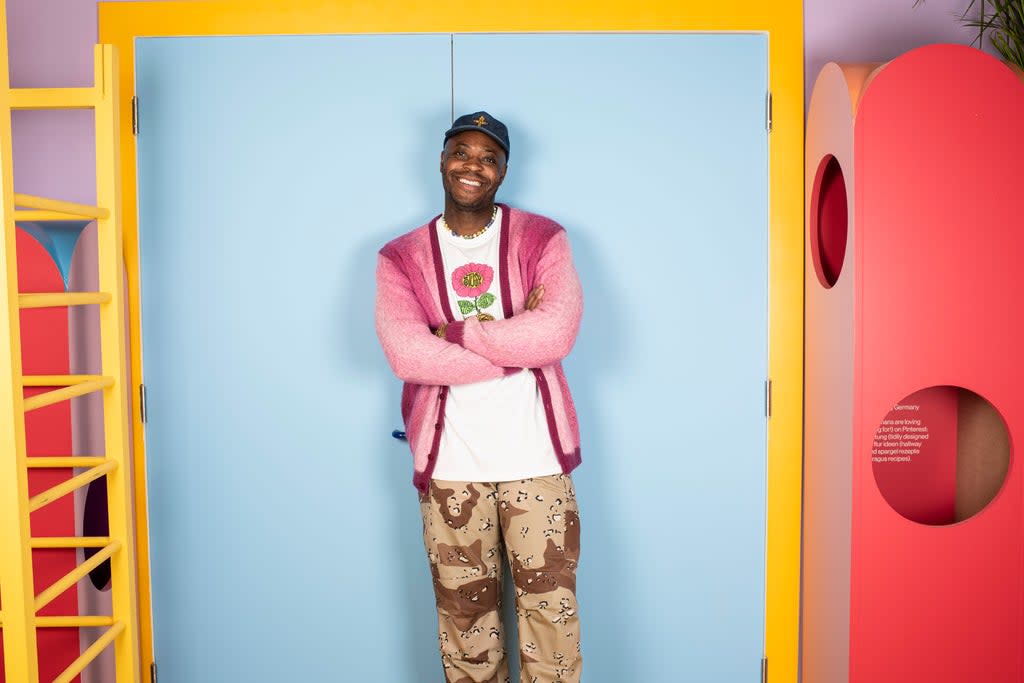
(482, 202)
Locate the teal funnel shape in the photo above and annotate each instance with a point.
(58, 239)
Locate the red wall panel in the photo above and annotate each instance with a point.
(930, 146)
(44, 343)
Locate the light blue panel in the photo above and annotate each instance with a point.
(652, 151)
(286, 543)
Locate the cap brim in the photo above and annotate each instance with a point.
(461, 129)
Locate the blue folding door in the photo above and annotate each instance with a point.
(285, 532)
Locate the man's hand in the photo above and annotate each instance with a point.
(441, 330)
(533, 301)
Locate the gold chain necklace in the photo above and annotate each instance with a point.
(494, 214)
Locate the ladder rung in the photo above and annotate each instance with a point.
(66, 487)
(57, 395)
(73, 622)
(70, 209)
(53, 98)
(53, 299)
(56, 380)
(69, 622)
(90, 654)
(33, 216)
(76, 575)
(70, 541)
(43, 462)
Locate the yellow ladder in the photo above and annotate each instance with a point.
(18, 617)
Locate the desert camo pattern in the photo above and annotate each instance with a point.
(466, 529)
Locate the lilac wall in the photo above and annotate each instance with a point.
(876, 30)
(51, 44)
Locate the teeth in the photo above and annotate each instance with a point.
(473, 183)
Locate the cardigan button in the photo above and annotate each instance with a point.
(437, 425)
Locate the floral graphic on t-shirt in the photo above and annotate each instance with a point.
(473, 280)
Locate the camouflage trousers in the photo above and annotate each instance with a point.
(466, 529)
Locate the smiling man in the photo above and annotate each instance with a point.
(475, 311)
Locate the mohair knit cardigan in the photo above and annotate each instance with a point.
(412, 302)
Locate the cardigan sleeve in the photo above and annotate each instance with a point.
(543, 336)
(415, 354)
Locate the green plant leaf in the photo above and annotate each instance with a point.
(485, 300)
(1002, 23)
(466, 307)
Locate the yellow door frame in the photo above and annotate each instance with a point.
(121, 22)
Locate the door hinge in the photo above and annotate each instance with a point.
(768, 112)
(764, 670)
(143, 408)
(152, 673)
(135, 115)
(767, 398)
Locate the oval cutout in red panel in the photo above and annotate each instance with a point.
(829, 221)
(941, 455)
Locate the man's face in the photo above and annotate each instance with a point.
(472, 168)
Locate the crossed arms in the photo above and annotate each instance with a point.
(471, 350)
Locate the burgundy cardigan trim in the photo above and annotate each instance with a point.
(442, 286)
(421, 480)
(549, 410)
(456, 332)
(503, 248)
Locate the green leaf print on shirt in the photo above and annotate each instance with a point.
(474, 279)
(482, 301)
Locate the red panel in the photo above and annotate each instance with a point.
(44, 340)
(937, 203)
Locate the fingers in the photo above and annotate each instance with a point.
(535, 297)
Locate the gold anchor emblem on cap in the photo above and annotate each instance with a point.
(480, 121)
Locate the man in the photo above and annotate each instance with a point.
(475, 311)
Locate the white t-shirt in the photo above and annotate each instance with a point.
(494, 430)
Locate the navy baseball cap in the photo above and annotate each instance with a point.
(483, 122)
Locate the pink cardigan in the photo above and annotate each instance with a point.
(412, 300)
